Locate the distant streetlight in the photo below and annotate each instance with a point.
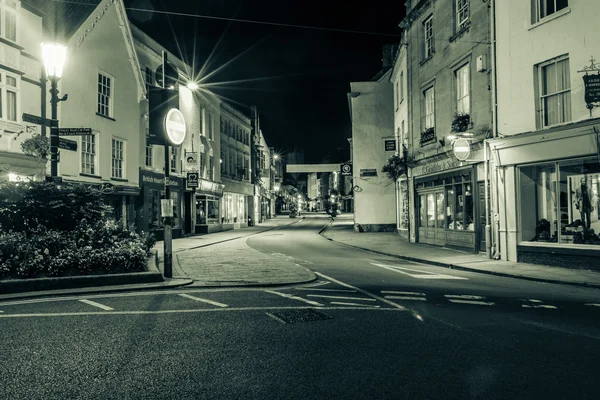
(192, 86)
(54, 56)
(276, 157)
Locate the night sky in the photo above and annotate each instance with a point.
(297, 77)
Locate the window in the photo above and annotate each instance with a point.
(88, 154)
(428, 35)
(149, 80)
(232, 170)
(118, 159)
(397, 95)
(462, 13)
(200, 120)
(173, 158)
(401, 86)
(222, 125)
(211, 168)
(545, 8)
(104, 95)
(555, 92)
(210, 126)
(559, 202)
(11, 98)
(429, 108)
(9, 19)
(223, 162)
(246, 168)
(148, 162)
(463, 90)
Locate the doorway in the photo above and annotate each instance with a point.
(432, 224)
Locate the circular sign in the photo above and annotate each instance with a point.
(175, 127)
(462, 149)
(346, 169)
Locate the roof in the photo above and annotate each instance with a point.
(62, 19)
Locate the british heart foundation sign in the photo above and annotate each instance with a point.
(592, 88)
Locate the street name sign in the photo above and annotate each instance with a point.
(67, 144)
(74, 131)
(34, 119)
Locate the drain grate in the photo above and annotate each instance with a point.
(303, 315)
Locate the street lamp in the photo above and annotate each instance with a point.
(54, 56)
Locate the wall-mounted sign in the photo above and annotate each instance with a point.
(175, 127)
(462, 149)
(346, 169)
(592, 88)
(192, 179)
(368, 172)
(107, 188)
(210, 187)
(67, 144)
(191, 161)
(389, 144)
(74, 131)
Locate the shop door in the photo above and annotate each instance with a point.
(432, 228)
(188, 212)
(481, 225)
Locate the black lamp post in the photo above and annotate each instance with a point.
(54, 56)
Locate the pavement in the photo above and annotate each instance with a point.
(388, 243)
(210, 261)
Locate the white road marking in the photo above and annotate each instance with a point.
(405, 293)
(532, 300)
(475, 302)
(463, 296)
(353, 304)
(405, 298)
(214, 303)
(361, 291)
(539, 306)
(195, 310)
(592, 304)
(329, 290)
(276, 318)
(420, 275)
(339, 297)
(93, 303)
(290, 296)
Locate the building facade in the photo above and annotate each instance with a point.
(449, 97)
(546, 149)
(235, 131)
(22, 90)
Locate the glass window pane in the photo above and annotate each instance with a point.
(11, 105)
(549, 79)
(431, 210)
(450, 209)
(468, 208)
(422, 214)
(538, 203)
(440, 207)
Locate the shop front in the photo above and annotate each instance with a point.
(552, 215)
(149, 217)
(446, 211)
(208, 207)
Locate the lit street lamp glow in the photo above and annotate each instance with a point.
(192, 86)
(54, 56)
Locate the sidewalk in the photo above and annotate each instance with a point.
(209, 260)
(388, 243)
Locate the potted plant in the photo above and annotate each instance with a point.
(461, 122)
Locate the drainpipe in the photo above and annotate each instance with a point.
(495, 125)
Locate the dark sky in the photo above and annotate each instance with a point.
(297, 77)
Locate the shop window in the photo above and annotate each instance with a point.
(459, 209)
(213, 212)
(559, 202)
(154, 219)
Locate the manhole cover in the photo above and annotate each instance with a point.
(303, 315)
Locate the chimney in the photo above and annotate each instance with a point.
(389, 53)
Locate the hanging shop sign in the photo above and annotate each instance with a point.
(346, 169)
(592, 88)
(210, 187)
(389, 144)
(191, 161)
(462, 149)
(192, 179)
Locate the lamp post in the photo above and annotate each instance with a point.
(54, 56)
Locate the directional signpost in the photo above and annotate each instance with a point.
(67, 144)
(34, 119)
(74, 131)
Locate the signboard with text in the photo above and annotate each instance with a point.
(34, 119)
(390, 144)
(346, 169)
(192, 179)
(368, 172)
(67, 144)
(592, 88)
(74, 131)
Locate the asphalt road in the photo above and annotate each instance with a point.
(371, 327)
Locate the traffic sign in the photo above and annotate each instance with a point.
(175, 127)
(67, 144)
(462, 149)
(74, 131)
(34, 119)
(346, 169)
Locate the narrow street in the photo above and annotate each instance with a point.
(370, 327)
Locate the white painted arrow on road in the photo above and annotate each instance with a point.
(419, 275)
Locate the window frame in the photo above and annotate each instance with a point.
(119, 161)
(15, 11)
(466, 97)
(110, 96)
(537, 10)
(428, 38)
(93, 155)
(541, 97)
(430, 115)
(462, 7)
